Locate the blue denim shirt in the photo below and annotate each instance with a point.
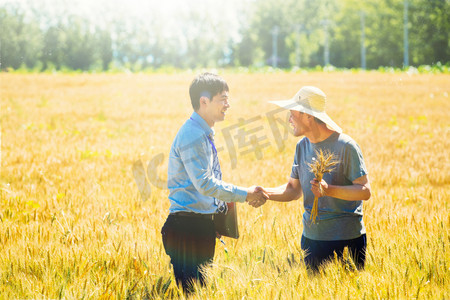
(191, 179)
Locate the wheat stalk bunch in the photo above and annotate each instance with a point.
(324, 163)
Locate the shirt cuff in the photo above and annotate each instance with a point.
(240, 193)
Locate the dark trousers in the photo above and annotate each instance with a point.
(319, 252)
(190, 242)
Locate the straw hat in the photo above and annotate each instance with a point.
(310, 100)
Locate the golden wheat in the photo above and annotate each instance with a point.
(73, 224)
(324, 162)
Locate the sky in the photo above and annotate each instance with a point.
(170, 18)
(167, 10)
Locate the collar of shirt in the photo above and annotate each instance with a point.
(196, 118)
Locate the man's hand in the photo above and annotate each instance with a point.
(256, 196)
(318, 190)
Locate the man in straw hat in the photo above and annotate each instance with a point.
(339, 222)
(197, 192)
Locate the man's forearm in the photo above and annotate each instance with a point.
(284, 193)
(355, 192)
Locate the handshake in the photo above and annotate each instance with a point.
(256, 196)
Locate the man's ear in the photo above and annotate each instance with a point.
(204, 99)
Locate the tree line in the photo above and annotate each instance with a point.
(285, 34)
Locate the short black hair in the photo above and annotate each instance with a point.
(206, 84)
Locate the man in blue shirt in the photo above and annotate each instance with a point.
(197, 191)
(340, 211)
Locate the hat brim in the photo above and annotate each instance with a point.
(292, 105)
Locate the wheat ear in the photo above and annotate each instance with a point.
(324, 163)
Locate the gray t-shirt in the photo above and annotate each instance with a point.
(338, 219)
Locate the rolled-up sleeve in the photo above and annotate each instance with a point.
(197, 159)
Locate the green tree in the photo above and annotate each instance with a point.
(267, 22)
(104, 48)
(20, 40)
(245, 50)
(346, 35)
(384, 33)
(80, 45)
(53, 50)
(318, 20)
(53, 34)
(204, 38)
(429, 31)
(300, 35)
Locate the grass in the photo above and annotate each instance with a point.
(73, 225)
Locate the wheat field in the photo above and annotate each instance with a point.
(74, 226)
